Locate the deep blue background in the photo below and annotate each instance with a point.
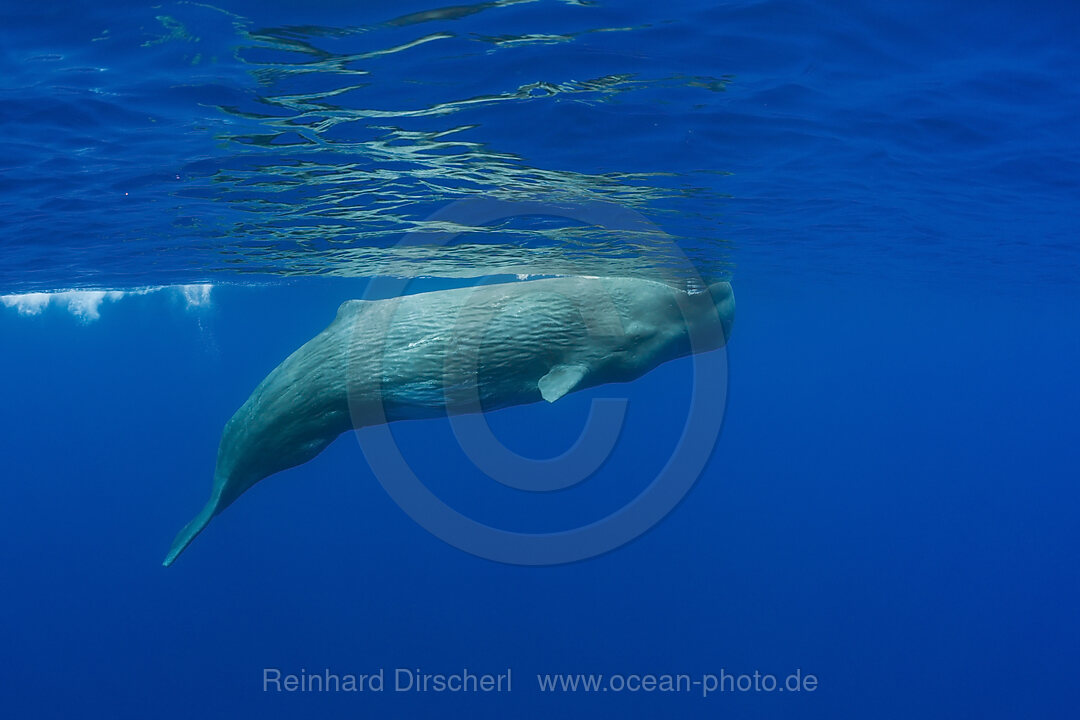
(891, 506)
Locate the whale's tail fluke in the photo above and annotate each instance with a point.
(191, 530)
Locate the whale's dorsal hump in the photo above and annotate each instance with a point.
(350, 307)
(560, 380)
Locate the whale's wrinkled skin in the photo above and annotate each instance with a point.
(456, 351)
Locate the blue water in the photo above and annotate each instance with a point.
(892, 189)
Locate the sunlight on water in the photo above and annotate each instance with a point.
(343, 168)
(231, 147)
(187, 144)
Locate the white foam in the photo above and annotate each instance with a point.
(86, 304)
(196, 295)
(27, 303)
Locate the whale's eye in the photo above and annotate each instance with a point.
(637, 333)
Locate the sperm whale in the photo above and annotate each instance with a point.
(456, 351)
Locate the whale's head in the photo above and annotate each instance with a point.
(710, 316)
(659, 323)
(673, 323)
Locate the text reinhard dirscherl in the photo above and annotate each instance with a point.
(414, 680)
(400, 680)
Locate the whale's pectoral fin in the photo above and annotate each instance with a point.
(561, 380)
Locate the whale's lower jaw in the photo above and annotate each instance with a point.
(191, 531)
